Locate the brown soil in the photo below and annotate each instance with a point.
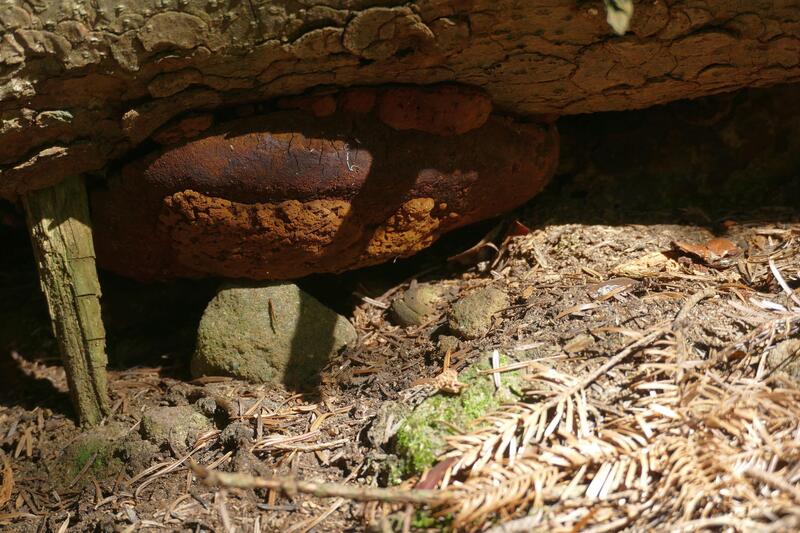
(548, 274)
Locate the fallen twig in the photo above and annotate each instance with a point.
(83, 470)
(291, 487)
(611, 363)
(782, 282)
(311, 447)
(693, 300)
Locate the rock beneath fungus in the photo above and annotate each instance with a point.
(268, 333)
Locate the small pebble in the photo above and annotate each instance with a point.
(471, 317)
(415, 305)
(448, 343)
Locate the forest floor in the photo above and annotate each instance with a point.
(659, 390)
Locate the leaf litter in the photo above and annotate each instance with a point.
(660, 393)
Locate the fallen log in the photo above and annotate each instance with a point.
(83, 84)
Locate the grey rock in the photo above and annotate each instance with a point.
(268, 333)
(415, 305)
(178, 394)
(207, 406)
(471, 317)
(785, 357)
(448, 343)
(136, 453)
(176, 426)
(237, 435)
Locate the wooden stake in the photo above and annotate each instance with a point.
(61, 233)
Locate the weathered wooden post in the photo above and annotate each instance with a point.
(61, 233)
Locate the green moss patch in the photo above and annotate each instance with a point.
(101, 453)
(96, 450)
(421, 437)
(93, 454)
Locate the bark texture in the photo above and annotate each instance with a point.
(82, 83)
(58, 218)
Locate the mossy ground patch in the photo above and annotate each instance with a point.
(421, 436)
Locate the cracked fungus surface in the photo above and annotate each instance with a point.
(288, 194)
(279, 240)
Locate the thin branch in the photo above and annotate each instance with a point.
(608, 365)
(291, 486)
(689, 305)
(311, 447)
(782, 282)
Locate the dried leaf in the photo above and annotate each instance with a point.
(648, 265)
(718, 252)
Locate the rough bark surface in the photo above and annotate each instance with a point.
(83, 83)
(58, 218)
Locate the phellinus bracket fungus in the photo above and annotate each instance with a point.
(322, 184)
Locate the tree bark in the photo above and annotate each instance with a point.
(58, 218)
(83, 83)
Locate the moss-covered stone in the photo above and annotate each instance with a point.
(421, 437)
(103, 452)
(268, 333)
(177, 427)
(471, 317)
(92, 448)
